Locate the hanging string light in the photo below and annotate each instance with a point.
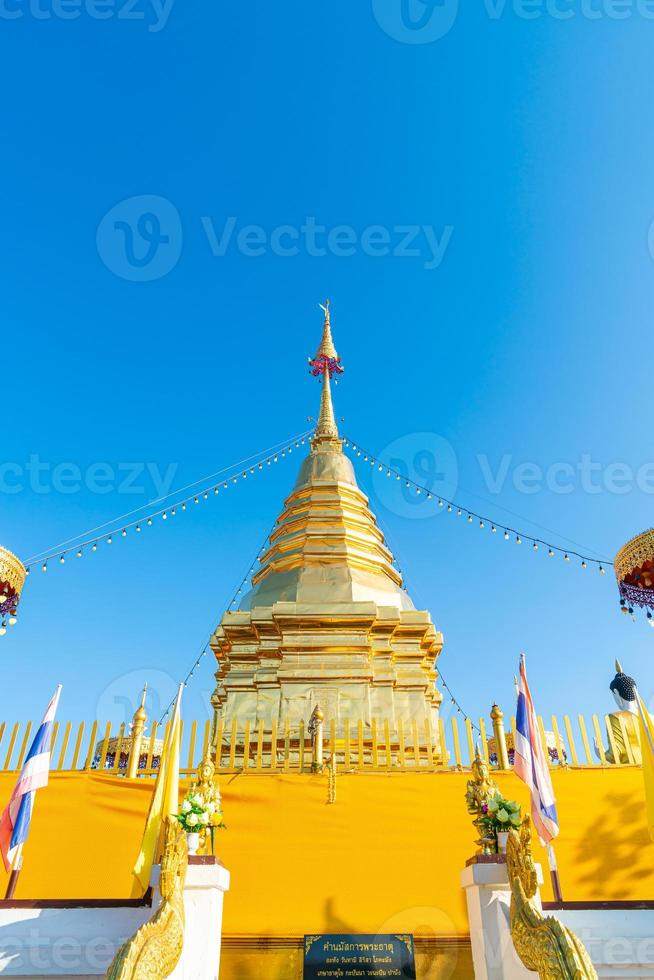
(122, 520)
(509, 532)
(163, 513)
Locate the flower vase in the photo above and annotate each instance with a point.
(192, 842)
(502, 838)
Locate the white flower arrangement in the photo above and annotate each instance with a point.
(193, 814)
(196, 815)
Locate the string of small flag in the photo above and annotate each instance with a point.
(452, 507)
(91, 542)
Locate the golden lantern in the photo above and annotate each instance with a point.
(12, 579)
(634, 570)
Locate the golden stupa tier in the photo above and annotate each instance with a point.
(327, 622)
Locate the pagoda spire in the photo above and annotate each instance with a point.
(326, 428)
(326, 357)
(326, 363)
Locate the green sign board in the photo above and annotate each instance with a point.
(347, 957)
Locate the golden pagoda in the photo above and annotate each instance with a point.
(327, 622)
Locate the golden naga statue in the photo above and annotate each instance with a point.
(542, 942)
(479, 791)
(155, 949)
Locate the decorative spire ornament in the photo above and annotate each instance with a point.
(634, 571)
(12, 579)
(326, 363)
(326, 359)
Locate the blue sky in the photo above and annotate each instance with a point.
(511, 158)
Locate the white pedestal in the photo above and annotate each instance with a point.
(488, 897)
(81, 941)
(204, 892)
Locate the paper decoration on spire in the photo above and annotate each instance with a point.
(326, 358)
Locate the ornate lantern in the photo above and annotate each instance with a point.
(634, 570)
(12, 579)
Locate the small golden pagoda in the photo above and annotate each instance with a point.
(327, 622)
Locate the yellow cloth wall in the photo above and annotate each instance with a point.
(385, 857)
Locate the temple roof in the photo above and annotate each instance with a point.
(326, 546)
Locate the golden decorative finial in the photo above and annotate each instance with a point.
(139, 714)
(618, 666)
(326, 348)
(326, 363)
(326, 358)
(135, 738)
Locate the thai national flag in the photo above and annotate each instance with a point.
(531, 763)
(15, 820)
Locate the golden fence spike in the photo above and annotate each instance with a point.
(23, 748)
(64, 745)
(444, 757)
(105, 746)
(484, 740)
(232, 744)
(259, 760)
(150, 753)
(600, 742)
(78, 745)
(273, 746)
(219, 745)
(91, 749)
(471, 741)
(191, 746)
(584, 738)
(119, 748)
(53, 743)
(571, 740)
(246, 746)
(10, 747)
(457, 745)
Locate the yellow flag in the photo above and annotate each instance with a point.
(647, 749)
(164, 799)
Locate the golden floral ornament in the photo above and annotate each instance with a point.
(634, 571)
(12, 579)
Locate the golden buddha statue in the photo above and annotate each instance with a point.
(479, 791)
(204, 786)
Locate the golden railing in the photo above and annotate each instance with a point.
(377, 747)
